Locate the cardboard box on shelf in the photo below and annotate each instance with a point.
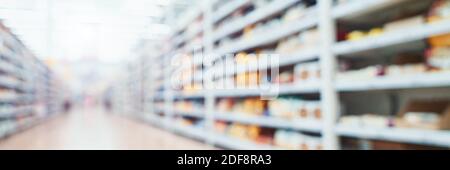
(385, 145)
(439, 108)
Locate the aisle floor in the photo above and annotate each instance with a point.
(96, 129)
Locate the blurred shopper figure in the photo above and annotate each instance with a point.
(107, 99)
(107, 105)
(67, 106)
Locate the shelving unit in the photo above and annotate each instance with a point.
(325, 16)
(30, 92)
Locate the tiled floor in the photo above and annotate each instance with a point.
(95, 129)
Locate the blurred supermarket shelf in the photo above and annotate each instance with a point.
(267, 62)
(414, 136)
(393, 38)
(271, 90)
(258, 15)
(357, 8)
(195, 113)
(239, 144)
(190, 132)
(269, 37)
(266, 121)
(194, 95)
(322, 48)
(425, 80)
(227, 9)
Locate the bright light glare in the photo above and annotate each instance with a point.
(99, 32)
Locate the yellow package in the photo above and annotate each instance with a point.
(356, 35)
(253, 79)
(440, 41)
(375, 32)
(259, 107)
(254, 132)
(248, 31)
(241, 58)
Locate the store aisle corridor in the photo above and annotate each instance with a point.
(95, 129)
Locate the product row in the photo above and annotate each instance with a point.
(283, 139)
(294, 12)
(289, 108)
(416, 114)
(434, 60)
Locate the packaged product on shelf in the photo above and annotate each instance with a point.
(296, 141)
(188, 106)
(373, 120)
(309, 39)
(295, 108)
(433, 115)
(265, 137)
(295, 13)
(247, 79)
(259, 135)
(241, 79)
(258, 107)
(244, 58)
(239, 131)
(374, 32)
(360, 34)
(180, 106)
(366, 120)
(184, 122)
(397, 25)
(225, 105)
(309, 110)
(288, 45)
(221, 126)
(362, 74)
(285, 77)
(355, 35)
(439, 57)
(400, 25)
(306, 72)
(192, 88)
(304, 40)
(253, 132)
(439, 11)
(311, 143)
(411, 69)
(248, 32)
(440, 41)
(249, 106)
(350, 120)
(282, 139)
(281, 107)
